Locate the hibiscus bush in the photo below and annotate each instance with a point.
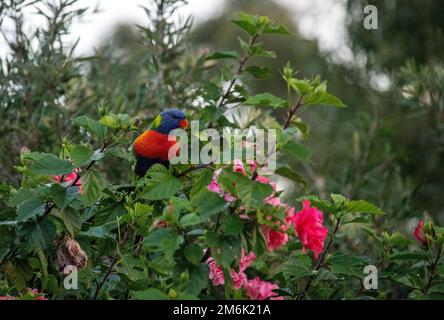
(71, 230)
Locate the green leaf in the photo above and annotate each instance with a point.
(198, 279)
(247, 22)
(233, 225)
(251, 193)
(193, 253)
(224, 248)
(42, 234)
(161, 183)
(93, 185)
(296, 150)
(80, 155)
(20, 196)
(116, 121)
(323, 98)
(288, 173)
(30, 208)
(296, 267)
(189, 220)
(92, 126)
(406, 255)
(259, 72)
(258, 51)
(51, 165)
(70, 218)
(150, 294)
(365, 219)
(170, 243)
(302, 87)
(223, 55)
(341, 263)
(265, 99)
(209, 203)
(133, 268)
(363, 207)
(98, 232)
(276, 29)
(338, 199)
(63, 196)
(155, 238)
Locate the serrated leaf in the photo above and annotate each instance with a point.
(302, 87)
(288, 173)
(209, 203)
(265, 100)
(341, 263)
(223, 55)
(233, 225)
(80, 155)
(42, 234)
(161, 184)
(247, 22)
(189, 220)
(116, 121)
(276, 29)
(63, 196)
(193, 253)
(296, 267)
(93, 185)
(30, 209)
(323, 98)
(259, 72)
(70, 218)
(92, 126)
(362, 206)
(251, 193)
(150, 294)
(51, 165)
(296, 150)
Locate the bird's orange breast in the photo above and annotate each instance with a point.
(153, 144)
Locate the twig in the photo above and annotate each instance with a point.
(433, 272)
(113, 263)
(239, 70)
(292, 112)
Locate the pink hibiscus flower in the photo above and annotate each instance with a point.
(70, 178)
(309, 228)
(216, 274)
(261, 290)
(274, 239)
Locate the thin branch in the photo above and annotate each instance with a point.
(239, 70)
(114, 262)
(321, 260)
(433, 273)
(292, 112)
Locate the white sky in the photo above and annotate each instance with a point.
(323, 20)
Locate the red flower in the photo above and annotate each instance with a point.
(275, 239)
(70, 178)
(309, 228)
(420, 232)
(261, 290)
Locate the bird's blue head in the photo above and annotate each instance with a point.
(169, 120)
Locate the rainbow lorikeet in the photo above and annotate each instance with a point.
(152, 146)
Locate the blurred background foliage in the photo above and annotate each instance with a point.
(386, 147)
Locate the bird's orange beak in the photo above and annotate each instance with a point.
(183, 124)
